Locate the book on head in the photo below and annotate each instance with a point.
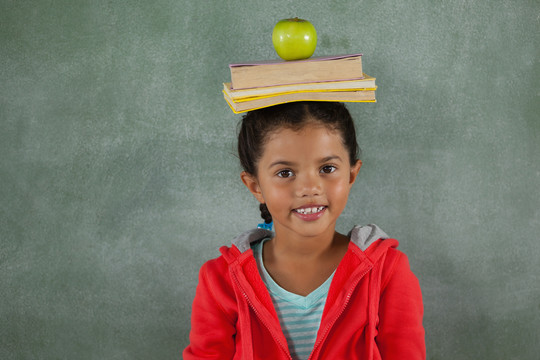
(281, 72)
(243, 105)
(367, 83)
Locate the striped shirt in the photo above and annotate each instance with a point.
(299, 316)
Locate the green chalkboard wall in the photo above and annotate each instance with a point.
(118, 175)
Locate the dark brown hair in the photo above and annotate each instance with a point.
(256, 125)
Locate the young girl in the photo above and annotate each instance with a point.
(305, 290)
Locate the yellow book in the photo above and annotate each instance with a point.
(367, 83)
(266, 101)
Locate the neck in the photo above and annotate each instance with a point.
(294, 247)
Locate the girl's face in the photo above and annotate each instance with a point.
(304, 177)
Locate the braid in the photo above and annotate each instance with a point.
(265, 214)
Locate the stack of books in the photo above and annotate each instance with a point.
(266, 83)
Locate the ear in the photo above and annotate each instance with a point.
(253, 185)
(355, 169)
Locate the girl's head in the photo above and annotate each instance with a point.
(259, 126)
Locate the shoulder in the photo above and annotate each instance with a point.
(396, 271)
(215, 287)
(217, 268)
(379, 248)
(385, 256)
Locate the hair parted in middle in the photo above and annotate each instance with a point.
(257, 125)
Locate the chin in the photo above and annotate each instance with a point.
(310, 229)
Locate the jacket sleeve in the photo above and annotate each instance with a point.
(400, 331)
(213, 330)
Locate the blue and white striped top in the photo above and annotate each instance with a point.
(299, 316)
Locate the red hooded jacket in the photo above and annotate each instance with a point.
(373, 310)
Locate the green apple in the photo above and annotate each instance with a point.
(294, 39)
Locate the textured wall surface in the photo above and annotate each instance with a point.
(118, 174)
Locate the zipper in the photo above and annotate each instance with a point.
(331, 324)
(284, 348)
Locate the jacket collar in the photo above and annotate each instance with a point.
(361, 236)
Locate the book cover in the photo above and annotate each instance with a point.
(280, 61)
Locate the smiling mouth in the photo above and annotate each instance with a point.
(310, 210)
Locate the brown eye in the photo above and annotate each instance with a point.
(285, 174)
(327, 169)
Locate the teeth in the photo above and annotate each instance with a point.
(312, 210)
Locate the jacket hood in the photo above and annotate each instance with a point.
(361, 236)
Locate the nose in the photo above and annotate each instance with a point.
(308, 185)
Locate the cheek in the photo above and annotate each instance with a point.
(278, 205)
(339, 191)
(275, 195)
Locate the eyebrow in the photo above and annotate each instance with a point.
(290, 163)
(331, 158)
(280, 163)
